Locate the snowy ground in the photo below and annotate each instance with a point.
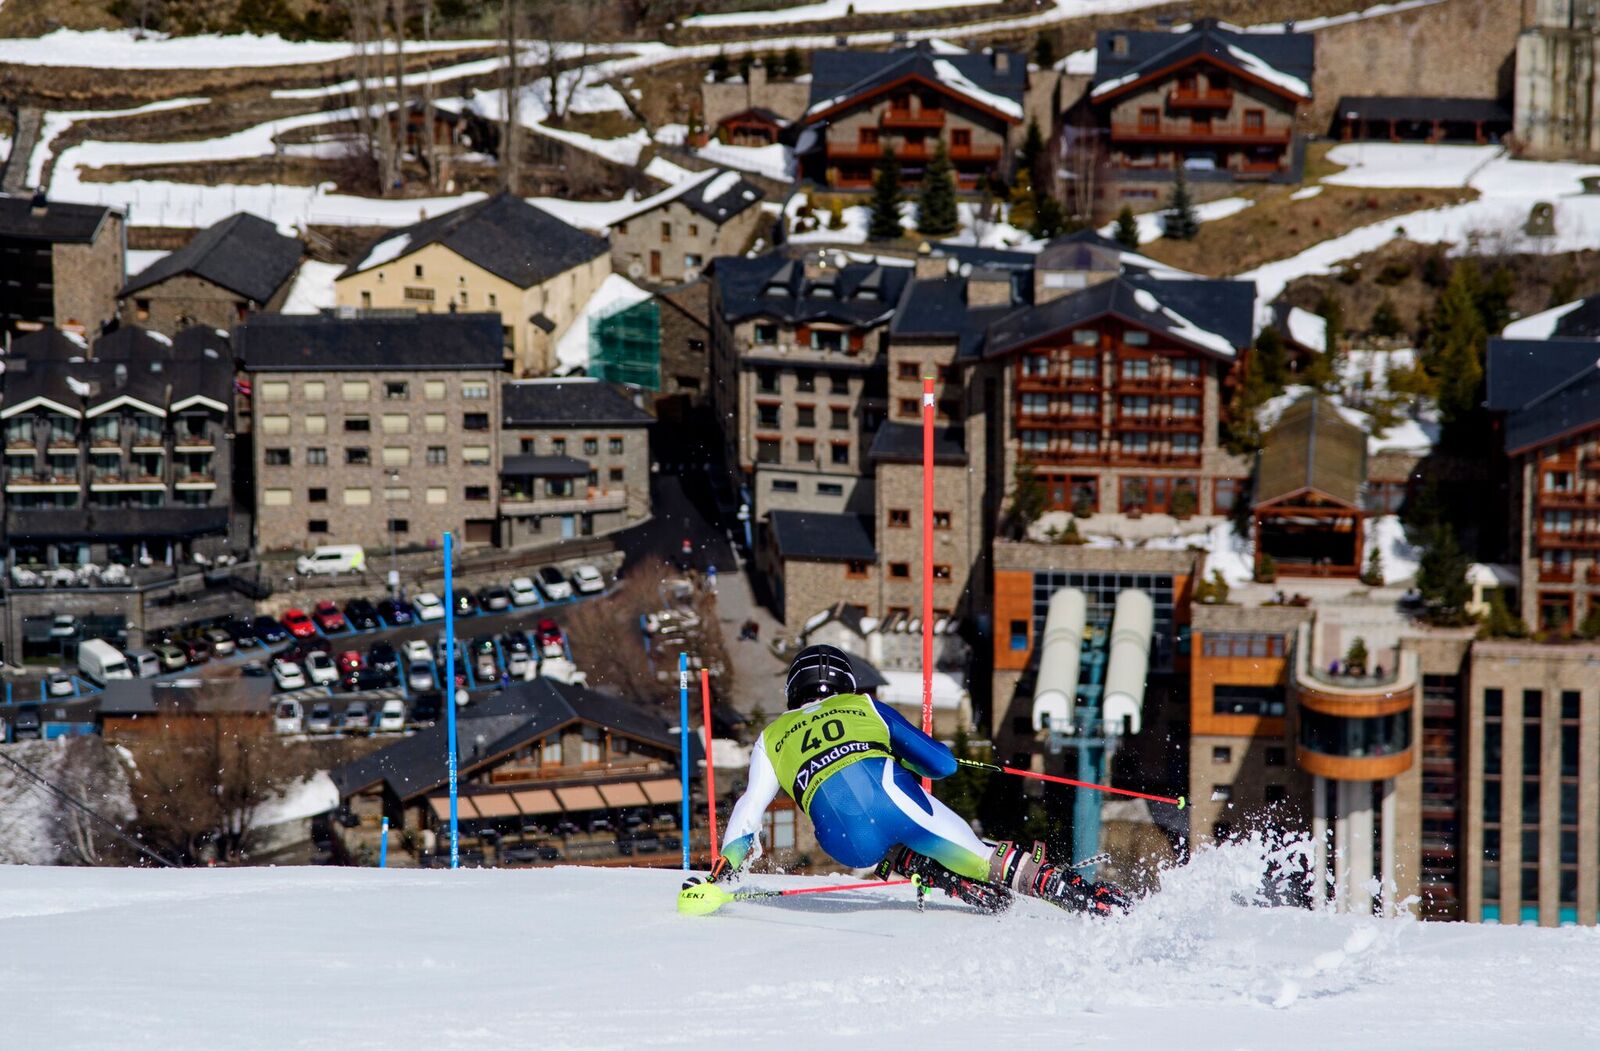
(825, 9)
(586, 958)
(1151, 223)
(124, 49)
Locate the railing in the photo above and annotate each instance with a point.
(1570, 538)
(516, 503)
(1196, 99)
(967, 153)
(927, 118)
(1581, 500)
(1220, 135)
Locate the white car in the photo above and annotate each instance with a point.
(287, 718)
(518, 664)
(321, 668)
(428, 606)
(587, 579)
(288, 676)
(523, 593)
(555, 585)
(356, 717)
(416, 650)
(392, 716)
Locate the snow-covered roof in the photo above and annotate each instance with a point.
(1256, 66)
(957, 81)
(905, 687)
(1541, 325)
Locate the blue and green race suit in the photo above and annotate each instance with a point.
(853, 764)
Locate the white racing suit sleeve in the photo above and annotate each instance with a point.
(744, 824)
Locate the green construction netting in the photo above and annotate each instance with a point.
(625, 345)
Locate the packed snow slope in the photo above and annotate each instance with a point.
(585, 958)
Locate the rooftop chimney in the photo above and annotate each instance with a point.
(929, 265)
(1002, 61)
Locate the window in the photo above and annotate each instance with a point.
(908, 370)
(1275, 756)
(826, 339)
(558, 446)
(1149, 119)
(355, 390)
(1138, 405)
(805, 415)
(857, 570)
(396, 423)
(434, 423)
(614, 446)
(1135, 441)
(1247, 700)
(666, 233)
(1185, 444)
(805, 451)
(867, 137)
(477, 493)
(357, 496)
(1186, 408)
(476, 390)
(1241, 644)
(785, 485)
(1275, 793)
(830, 489)
(396, 390)
(274, 425)
(1036, 404)
(1085, 337)
(941, 520)
(1036, 365)
(769, 450)
(899, 518)
(275, 498)
(1034, 440)
(1255, 121)
(910, 406)
(1185, 368)
(438, 456)
(941, 572)
(838, 383)
(278, 458)
(317, 456)
(838, 418)
(399, 525)
(274, 390)
(396, 493)
(474, 421)
(614, 474)
(474, 455)
(1221, 793)
(358, 424)
(1084, 405)
(591, 446)
(805, 380)
(765, 333)
(767, 413)
(900, 570)
(767, 381)
(417, 269)
(1136, 368)
(358, 456)
(317, 424)
(841, 452)
(1019, 635)
(433, 390)
(961, 138)
(1221, 754)
(396, 456)
(437, 494)
(317, 525)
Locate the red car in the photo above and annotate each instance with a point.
(329, 618)
(349, 663)
(299, 625)
(549, 636)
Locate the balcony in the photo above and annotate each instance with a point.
(1569, 539)
(1222, 136)
(194, 443)
(967, 153)
(1573, 499)
(523, 503)
(1194, 98)
(904, 118)
(148, 441)
(875, 152)
(1353, 727)
(1050, 383)
(196, 480)
(1158, 458)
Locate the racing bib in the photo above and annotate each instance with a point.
(808, 746)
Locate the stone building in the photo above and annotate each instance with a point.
(226, 272)
(723, 101)
(812, 558)
(574, 460)
(671, 240)
(500, 255)
(63, 265)
(1558, 57)
(684, 362)
(374, 430)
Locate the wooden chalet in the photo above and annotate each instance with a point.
(1308, 514)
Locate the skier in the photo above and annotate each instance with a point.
(852, 765)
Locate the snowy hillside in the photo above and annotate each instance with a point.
(573, 958)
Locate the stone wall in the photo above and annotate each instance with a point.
(656, 245)
(185, 300)
(88, 276)
(810, 587)
(685, 354)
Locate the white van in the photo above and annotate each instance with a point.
(144, 664)
(334, 558)
(101, 662)
(287, 717)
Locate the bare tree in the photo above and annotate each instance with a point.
(430, 152)
(511, 136)
(560, 23)
(402, 115)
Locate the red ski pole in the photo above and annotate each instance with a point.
(1180, 802)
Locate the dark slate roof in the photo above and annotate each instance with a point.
(504, 720)
(114, 524)
(78, 223)
(505, 235)
(1292, 54)
(128, 362)
(1220, 308)
(902, 443)
(545, 403)
(733, 195)
(864, 294)
(1420, 107)
(1547, 388)
(845, 74)
(1580, 322)
(545, 466)
(244, 254)
(932, 307)
(326, 342)
(1312, 447)
(820, 537)
(47, 344)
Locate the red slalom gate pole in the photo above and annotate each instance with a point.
(1180, 802)
(711, 768)
(820, 890)
(927, 562)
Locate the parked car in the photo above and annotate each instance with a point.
(362, 615)
(268, 630)
(395, 613)
(485, 668)
(287, 717)
(333, 559)
(518, 654)
(198, 651)
(320, 721)
(63, 626)
(222, 644)
(144, 664)
(329, 618)
(171, 656)
(466, 604)
(428, 607)
(670, 622)
(288, 675)
(382, 657)
(26, 724)
(416, 650)
(321, 669)
(299, 625)
(419, 676)
(529, 854)
(494, 599)
(523, 593)
(356, 717)
(254, 669)
(587, 579)
(555, 586)
(550, 641)
(364, 679)
(350, 661)
(392, 716)
(60, 684)
(425, 707)
(241, 631)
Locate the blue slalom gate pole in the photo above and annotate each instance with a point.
(450, 689)
(383, 845)
(683, 742)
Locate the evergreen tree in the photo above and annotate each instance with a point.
(1494, 299)
(1501, 623)
(792, 65)
(1272, 360)
(1456, 343)
(1127, 232)
(885, 223)
(1032, 150)
(719, 66)
(1180, 222)
(1385, 322)
(746, 60)
(1442, 578)
(1047, 218)
(936, 208)
(1355, 658)
(1021, 212)
(1028, 499)
(1590, 628)
(1044, 51)
(1322, 373)
(1372, 575)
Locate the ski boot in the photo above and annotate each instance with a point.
(904, 861)
(1031, 873)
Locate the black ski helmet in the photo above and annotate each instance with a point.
(817, 672)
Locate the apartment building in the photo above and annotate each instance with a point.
(63, 264)
(226, 272)
(500, 255)
(374, 430)
(574, 460)
(675, 234)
